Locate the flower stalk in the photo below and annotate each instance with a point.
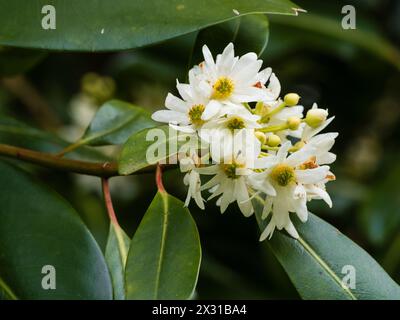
(99, 169)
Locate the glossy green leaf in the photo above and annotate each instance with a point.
(116, 254)
(38, 228)
(114, 122)
(248, 34)
(120, 24)
(14, 60)
(19, 134)
(165, 253)
(317, 262)
(150, 146)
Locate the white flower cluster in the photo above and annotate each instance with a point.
(257, 143)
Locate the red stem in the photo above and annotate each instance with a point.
(159, 182)
(108, 201)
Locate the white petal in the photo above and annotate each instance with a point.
(274, 87)
(243, 199)
(301, 209)
(176, 104)
(283, 151)
(264, 75)
(212, 109)
(326, 158)
(227, 196)
(267, 208)
(170, 116)
(311, 176)
(226, 60)
(268, 231)
(322, 194)
(185, 90)
(291, 230)
(246, 72)
(208, 59)
(186, 129)
(280, 214)
(299, 157)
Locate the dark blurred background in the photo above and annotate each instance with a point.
(353, 73)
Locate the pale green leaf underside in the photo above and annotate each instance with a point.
(116, 253)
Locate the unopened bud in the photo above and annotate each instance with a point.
(315, 117)
(291, 99)
(261, 136)
(293, 123)
(273, 140)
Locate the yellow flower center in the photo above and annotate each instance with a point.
(223, 88)
(230, 170)
(235, 123)
(195, 114)
(283, 174)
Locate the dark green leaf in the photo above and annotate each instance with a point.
(120, 24)
(39, 228)
(22, 135)
(165, 253)
(116, 253)
(315, 262)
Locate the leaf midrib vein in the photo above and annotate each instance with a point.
(7, 289)
(162, 245)
(320, 261)
(107, 132)
(325, 266)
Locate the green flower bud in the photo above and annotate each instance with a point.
(273, 140)
(315, 117)
(261, 136)
(293, 123)
(291, 99)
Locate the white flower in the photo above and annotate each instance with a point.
(232, 134)
(321, 142)
(284, 181)
(232, 79)
(192, 180)
(230, 183)
(242, 143)
(268, 81)
(186, 112)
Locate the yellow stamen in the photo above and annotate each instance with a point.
(235, 123)
(283, 175)
(230, 170)
(223, 88)
(195, 114)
